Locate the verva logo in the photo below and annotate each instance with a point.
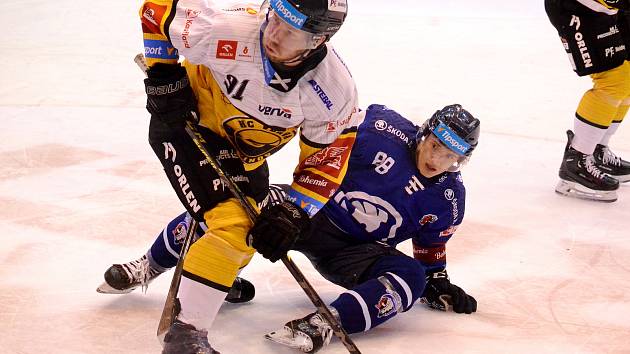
(226, 49)
(152, 17)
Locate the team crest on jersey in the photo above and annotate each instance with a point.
(386, 305)
(330, 156)
(180, 232)
(152, 15)
(376, 215)
(428, 218)
(254, 139)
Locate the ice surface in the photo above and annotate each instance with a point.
(80, 188)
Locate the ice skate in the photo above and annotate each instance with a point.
(308, 334)
(183, 338)
(242, 291)
(580, 177)
(611, 164)
(124, 278)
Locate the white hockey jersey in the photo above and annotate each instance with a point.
(260, 107)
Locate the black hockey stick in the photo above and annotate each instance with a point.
(252, 213)
(170, 304)
(291, 266)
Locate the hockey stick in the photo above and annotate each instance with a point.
(171, 304)
(252, 213)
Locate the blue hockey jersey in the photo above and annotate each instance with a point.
(384, 197)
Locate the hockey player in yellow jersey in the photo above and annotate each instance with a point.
(596, 37)
(252, 76)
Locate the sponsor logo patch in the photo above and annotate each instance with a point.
(159, 49)
(337, 5)
(226, 49)
(152, 15)
(322, 95)
(450, 139)
(275, 112)
(288, 13)
(245, 52)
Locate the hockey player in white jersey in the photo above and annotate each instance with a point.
(254, 77)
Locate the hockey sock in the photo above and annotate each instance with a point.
(396, 283)
(600, 106)
(168, 243)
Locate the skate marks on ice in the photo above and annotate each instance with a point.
(574, 304)
(40, 159)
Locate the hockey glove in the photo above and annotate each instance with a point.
(440, 293)
(169, 95)
(276, 229)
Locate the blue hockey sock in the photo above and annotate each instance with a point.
(165, 249)
(396, 283)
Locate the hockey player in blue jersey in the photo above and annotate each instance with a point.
(402, 183)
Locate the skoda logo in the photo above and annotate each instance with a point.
(380, 124)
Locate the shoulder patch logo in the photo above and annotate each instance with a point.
(152, 15)
(428, 218)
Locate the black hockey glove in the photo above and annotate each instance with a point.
(277, 228)
(440, 293)
(169, 95)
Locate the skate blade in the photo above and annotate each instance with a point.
(576, 190)
(107, 289)
(285, 337)
(622, 179)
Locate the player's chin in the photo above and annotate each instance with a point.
(428, 171)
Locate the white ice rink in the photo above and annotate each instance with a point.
(80, 188)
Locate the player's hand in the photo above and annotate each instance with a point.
(439, 294)
(277, 228)
(169, 95)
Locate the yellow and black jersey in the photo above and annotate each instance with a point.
(609, 7)
(245, 99)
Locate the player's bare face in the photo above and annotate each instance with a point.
(282, 42)
(433, 157)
